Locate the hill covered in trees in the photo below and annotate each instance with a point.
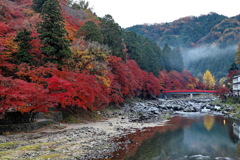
(192, 31)
(55, 53)
(197, 35)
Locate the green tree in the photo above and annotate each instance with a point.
(37, 5)
(52, 33)
(233, 67)
(167, 58)
(146, 53)
(91, 32)
(23, 39)
(112, 35)
(177, 60)
(82, 4)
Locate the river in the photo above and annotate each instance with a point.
(183, 138)
(197, 129)
(188, 136)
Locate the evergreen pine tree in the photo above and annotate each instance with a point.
(167, 58)
(23, 38)
(112, 35)
(82, 4)
(52, 33)
(145, 52)
(233, 67)
(177, 59)
(91, 32)
(37, 5)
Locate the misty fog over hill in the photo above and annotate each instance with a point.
(207, 42)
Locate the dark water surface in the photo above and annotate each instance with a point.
(201, 137)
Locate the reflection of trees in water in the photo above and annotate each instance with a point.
(208, 121)
(212, 136)
(236, 129)
(139, 137)
(234, 133)
(162, 146)
(235, 137)
(228, 123)
(199, 139)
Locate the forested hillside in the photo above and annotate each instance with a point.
(192, 31)
(197, 35)
(61, 54)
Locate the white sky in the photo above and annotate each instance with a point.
(131, 12)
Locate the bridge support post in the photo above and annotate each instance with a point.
(165, 96)
(191, 96)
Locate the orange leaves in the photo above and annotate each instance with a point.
(71, 29)
(10, 45)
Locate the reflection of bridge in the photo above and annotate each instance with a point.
(190, 92)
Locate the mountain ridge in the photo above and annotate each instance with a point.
(191, 31)
(207, 42)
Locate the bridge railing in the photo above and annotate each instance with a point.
(190, 91)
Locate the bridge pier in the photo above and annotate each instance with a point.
(165, 96)
(191, 96)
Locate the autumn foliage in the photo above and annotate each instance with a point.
(174, 80)
(90, 79)
(222, 92)
(23, 96)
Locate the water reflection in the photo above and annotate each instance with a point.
(206, 137)
(208, 121)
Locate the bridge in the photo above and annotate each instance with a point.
(190, 92)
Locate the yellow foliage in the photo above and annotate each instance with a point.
(237, 54)
(208, 79)
(208, 122)
(91, 56)
(105, 80)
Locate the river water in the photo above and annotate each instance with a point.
(183, 138)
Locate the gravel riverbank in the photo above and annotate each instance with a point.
(94, 140)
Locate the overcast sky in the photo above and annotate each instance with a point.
(131, 12)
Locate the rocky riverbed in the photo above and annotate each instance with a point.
(94, 140)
